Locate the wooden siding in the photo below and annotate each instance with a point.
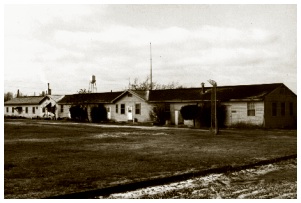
(29, 114)
(238, 113)
(66, 111)
(38, 109)
(278, 96)
(131, 101)
(177, 107)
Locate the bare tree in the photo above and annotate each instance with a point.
(145, 85)
(83, 91)
(8, 96)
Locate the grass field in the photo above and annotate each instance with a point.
(47, 158)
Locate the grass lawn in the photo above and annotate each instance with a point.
(47, 158)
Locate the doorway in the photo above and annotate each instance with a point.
(109, 113)
(228, 117)
(130, 113)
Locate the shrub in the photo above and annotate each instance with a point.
(78, 113)
(159, 114)
(99, 114)
(202, 114)
(190, 112)
(246, 125)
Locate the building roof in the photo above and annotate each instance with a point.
(141, 93)
(175, 95)
(89, 98)
(224, 93)
(30, 100)
(56, 98)
(242, 92)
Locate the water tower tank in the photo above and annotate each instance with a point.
(93, 79)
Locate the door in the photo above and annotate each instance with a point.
(130, 113)
(176, 117)
(109, 113)
(228, 117)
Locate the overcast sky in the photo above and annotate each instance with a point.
(65, 45)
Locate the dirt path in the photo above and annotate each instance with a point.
(277, 180)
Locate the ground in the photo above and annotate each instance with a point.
(49, 158)
(277, 181)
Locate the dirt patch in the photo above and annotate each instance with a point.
(277, 180)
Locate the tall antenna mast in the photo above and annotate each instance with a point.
(151, 73)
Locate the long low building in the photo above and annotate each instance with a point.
(267, 105)
(32, 106)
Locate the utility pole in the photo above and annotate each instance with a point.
(213, 108)
(151, 71)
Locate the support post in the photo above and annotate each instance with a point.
(213, 107)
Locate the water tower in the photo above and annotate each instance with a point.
(92, 85)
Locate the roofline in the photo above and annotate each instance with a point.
(137, 94)
(18, 104)
(282, 84)
(36, 103)
(84, 103)
(175, 101)
(110, 102)
(130, 91)
(119, 96)
(237, 100)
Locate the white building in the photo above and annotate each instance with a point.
(32, 106)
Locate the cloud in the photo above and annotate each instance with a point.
(68, 45)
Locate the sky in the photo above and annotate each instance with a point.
(65, 45)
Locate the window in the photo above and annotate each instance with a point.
(12, 109)
(274, 109)
(283, 109)
(291, 109)
(116, 108)
(43, 109)
(251, 108)
(33, 110)
(122, 108)
(26, 109)
(138, 108)
(7, 109)
(62, 108)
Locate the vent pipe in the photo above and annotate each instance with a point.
(151, 68)
(49, 90)
(203, 88)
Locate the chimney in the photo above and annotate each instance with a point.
(203, 88)
(18, 93)
(49, 90)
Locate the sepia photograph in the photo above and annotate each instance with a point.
(144, 100)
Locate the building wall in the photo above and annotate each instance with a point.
(287, 120)
(22, 113)
(237, 112)
(63, 110)
(177, 107)
(130, 101)
(38, 109)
